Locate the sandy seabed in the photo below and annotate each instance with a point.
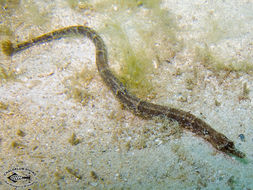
(59, 120)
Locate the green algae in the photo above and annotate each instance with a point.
(77, 84)
(135, 66)
(73, 140)
(6, 74)
(216, 63)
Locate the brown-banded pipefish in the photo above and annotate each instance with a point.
(137, 106)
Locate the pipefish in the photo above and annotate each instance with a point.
(136, 105)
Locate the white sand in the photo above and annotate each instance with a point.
(39, 104)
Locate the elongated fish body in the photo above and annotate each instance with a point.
(133, 103)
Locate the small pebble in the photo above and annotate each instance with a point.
(242, 137)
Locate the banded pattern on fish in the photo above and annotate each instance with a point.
(130, 101)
